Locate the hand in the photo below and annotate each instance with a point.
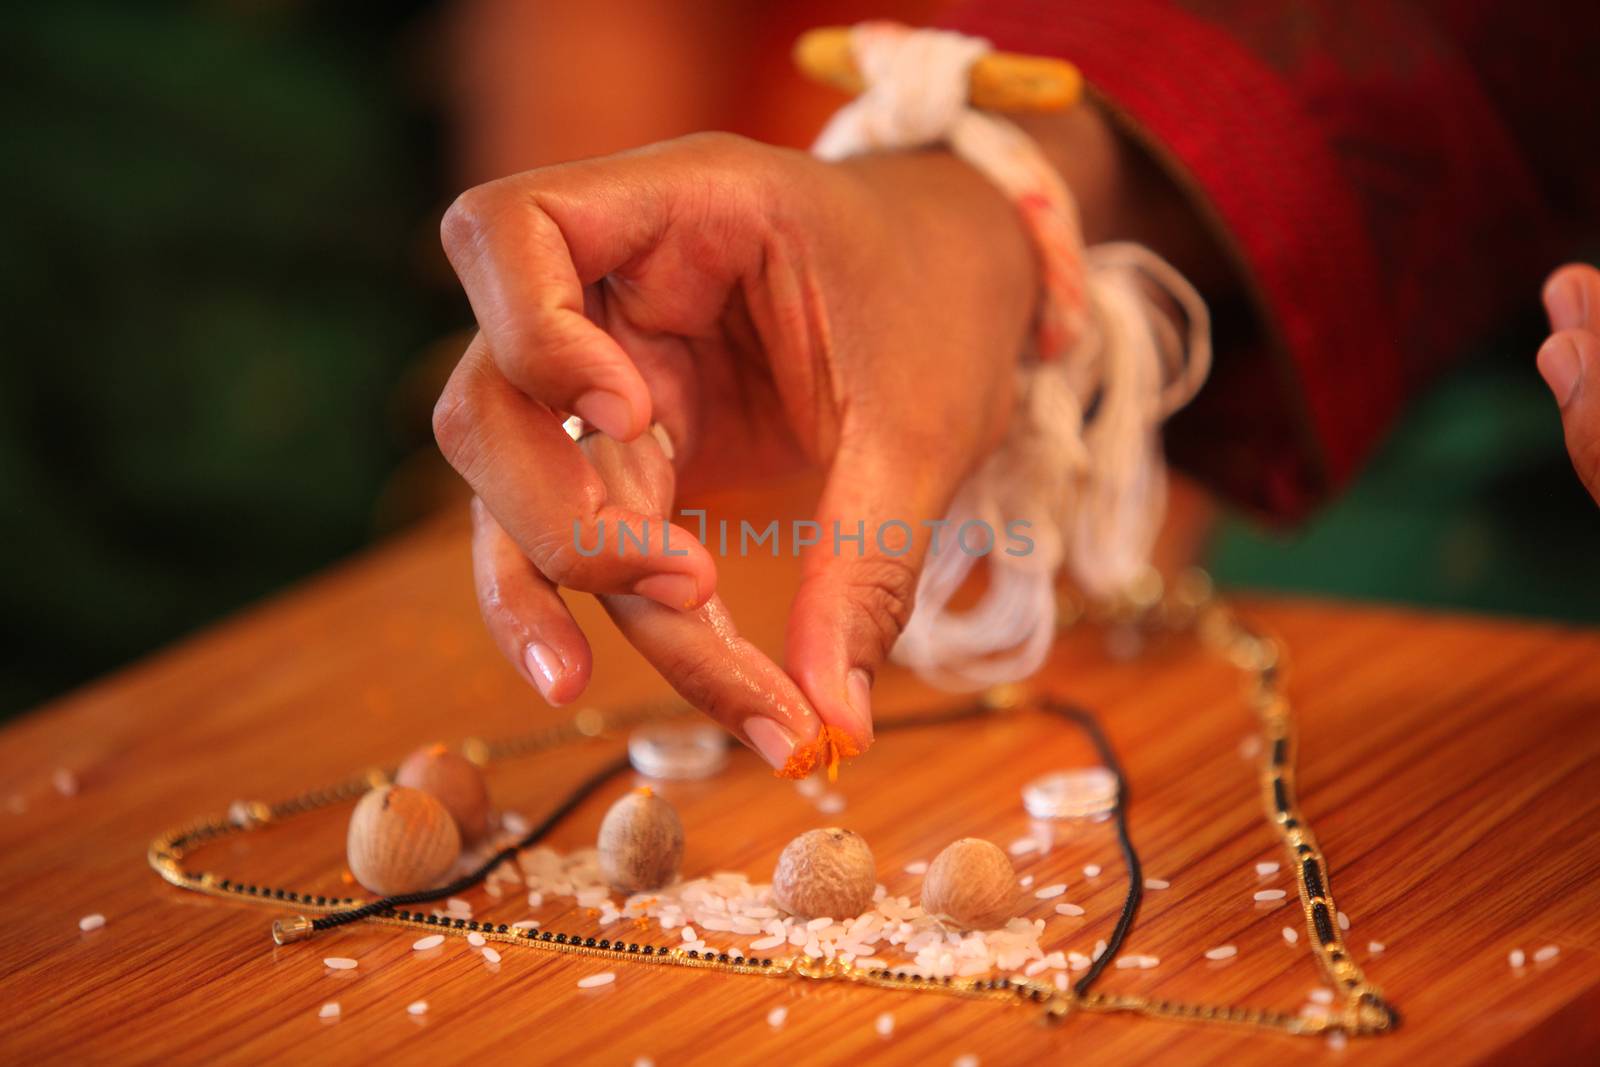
(1570, 363)
(770, 311)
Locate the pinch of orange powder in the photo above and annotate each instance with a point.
(832, 745)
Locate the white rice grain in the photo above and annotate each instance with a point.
(476, 940)
(919, 867)
(1546, 954)
(884, 1025)
(1264, 869)
(1344, 921)
(91, 922)
(1337, 1040)
(644, 1061)
(595, 981)
(1026, 881)
(423, 944)
(1290, 934)
(339, 963)
(457, 904)
(1270, 894)
(1321, 996)
(1023, 845)
(1517, 957)
(965, 1060)
(329, 1010)
(689, 934)
(764, 943)
(776, 1016)
(65, 781)
(830, 803)
(490, 954)
(1222, 952)
(1068, 909)
(1050, 892)
(1157, 883)
(1091, 870)
(1375, 947)
(525, 924)
(417, 1007)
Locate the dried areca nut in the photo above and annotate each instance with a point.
(401, 840)
(972, 884)
(825, 873)
(641, 842)
(453, 780)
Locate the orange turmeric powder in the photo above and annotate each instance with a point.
(832, 745)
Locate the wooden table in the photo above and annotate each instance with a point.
(1450, 766)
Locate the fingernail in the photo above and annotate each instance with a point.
(1563, 299)
(544, 667)
(607, 412)
(1561, 368)
(858, 695)
(677, 591)
(770, 740)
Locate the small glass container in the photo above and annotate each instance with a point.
(1080, 793)
(678, 750)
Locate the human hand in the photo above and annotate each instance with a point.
(771, 312)
(1569, 360)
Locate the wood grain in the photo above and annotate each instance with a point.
(1448, 764)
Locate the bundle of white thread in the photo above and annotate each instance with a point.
(1081, 462)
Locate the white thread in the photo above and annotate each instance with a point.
(1082, 459)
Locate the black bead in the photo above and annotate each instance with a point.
(737, 959)
(605, 943)
(562, 938)
(461, 924)
(589, 943)
(766, 962)
(223, 884)
(504, 928)
(433, 920)
(632, 947)
(722, 957)
(694, 954)
(322, 900)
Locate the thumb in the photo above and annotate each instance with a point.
(1570, 364)
(859, 578)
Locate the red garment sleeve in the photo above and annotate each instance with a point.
(1387, 177)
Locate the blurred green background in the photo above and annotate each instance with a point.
(223, 311)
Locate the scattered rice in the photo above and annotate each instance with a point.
(1024, 845)
(1270, 894)
(91, 922)
(1157, 883)
(1143, 963)
(1344, 921)
(644, 1061)
(1025, 881)
(1321, 996)
(476, 940)
(1250, 747)
(1222, 952)
(1546, 954)
(776, 1016)
(417, 1007)
(689, 934)
(423, 944)
(884, 1025)
(1517, 957)
(329, 1010)
(513, 823)
(1099, 950)
(1050, 892)
(339, 963)
(919, 867)
(1068, 909)
(1375, 947)
(491, 954)
(457, 904)
(830, 803)
(965, 1060)
(594, 981)
(1264, 869)
(1091, 870)
(1336, 1040)
(1290, 934)
(525, 924)
(65, 781)
(810, 788)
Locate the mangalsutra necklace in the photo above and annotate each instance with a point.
(1359, 1010)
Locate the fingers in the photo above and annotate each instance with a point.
(859, 587)
(522, 279)
(525, 615)
(700, 653)
(546, 496)
(1570, 363)
(703, 657)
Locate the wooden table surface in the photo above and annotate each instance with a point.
(1450, 765)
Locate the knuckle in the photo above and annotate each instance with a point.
(882, 591)
(469, 218)
(555, 553)
(455, 428)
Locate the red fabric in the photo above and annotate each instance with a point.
(1390, 174)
